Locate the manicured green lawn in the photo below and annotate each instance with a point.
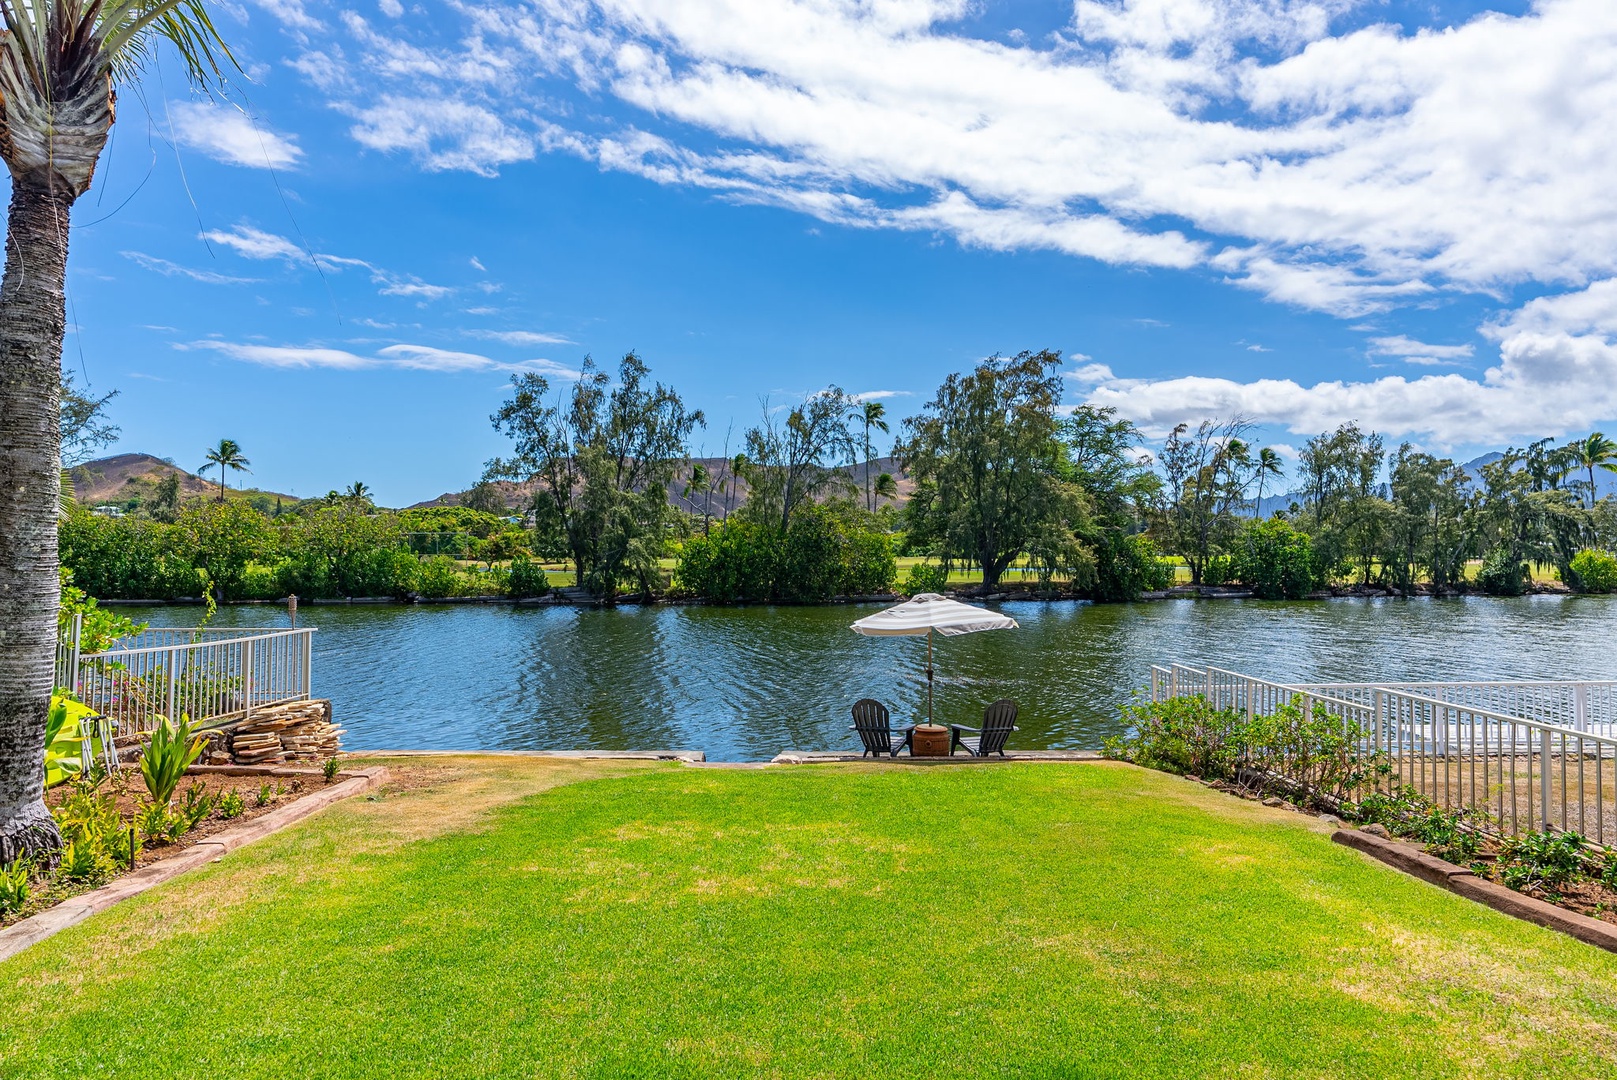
(1020, 920)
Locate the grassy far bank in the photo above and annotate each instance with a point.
(551, 918)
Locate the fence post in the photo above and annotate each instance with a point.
(173, 682)
(308, 665)
(1580, 706)
(1544, 780)
(247, 677)
(75, 652)
(1377, 727)
(1173, 681)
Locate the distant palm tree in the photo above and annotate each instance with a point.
(1594, 452)
(886, 486)
(227, 455)
(873, 414)
(1268, 464)
(358, 492)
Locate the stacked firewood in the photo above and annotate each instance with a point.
(297, 731)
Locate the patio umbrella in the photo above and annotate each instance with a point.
(928, 612)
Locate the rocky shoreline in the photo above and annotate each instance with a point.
(1023, 591)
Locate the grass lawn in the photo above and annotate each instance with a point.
(593, 919)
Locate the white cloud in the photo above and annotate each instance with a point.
(172, 269)
(1543, 385)
(406, 356)
(229, 135)
(1420, 352)
(519, 337)
(443, 134)
(880, 395)
(477, 265)
(251, 243)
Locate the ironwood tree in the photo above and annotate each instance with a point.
(600, 461)
(988, 465)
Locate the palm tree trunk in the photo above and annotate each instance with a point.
(32, 321)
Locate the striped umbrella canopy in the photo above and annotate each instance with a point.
(927, 613)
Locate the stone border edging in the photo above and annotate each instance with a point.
(687, 756)
(836, 757)
(30, 931)
(1457, 879)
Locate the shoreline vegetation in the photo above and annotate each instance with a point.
(1000, 492)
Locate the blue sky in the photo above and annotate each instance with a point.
(1309, 212)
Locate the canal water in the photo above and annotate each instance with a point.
(746, 683)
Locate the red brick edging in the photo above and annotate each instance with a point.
(17, 937)
(1458, 879)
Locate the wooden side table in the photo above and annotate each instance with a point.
(929, 740)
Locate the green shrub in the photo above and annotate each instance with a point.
(1126, 566)
(1502, 573)
(231, 805)
(868, 563)
(1183, 735)
(84, 862)
(439, 577)
(157, 823)
(329, 767)
(1542, 860)
(164, 760)
(925, 578)
(1596, 571)
(260, 582)
(1276, 560)
(524, 577)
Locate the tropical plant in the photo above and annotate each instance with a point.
(16, 885)
(1184, 735)
(84, 862)
(358, 492)
(1542, 860)
(265, 796)
(59, 63)
(231, 805)
(156, 822)
(227, 455)
(164, 760)
(64, 739)
(1592, 452)
(1266, 465)
(872, 414)
(198, 805)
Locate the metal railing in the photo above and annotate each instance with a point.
(1515, 773)
(1585, 706)
(212, 676)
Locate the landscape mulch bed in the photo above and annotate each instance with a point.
(128, 790)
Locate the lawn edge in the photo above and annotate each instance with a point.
(30, 931)
(1462, 882)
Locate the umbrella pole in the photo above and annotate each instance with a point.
(929, 677)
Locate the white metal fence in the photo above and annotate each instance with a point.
(211, 676)
(1504, 751)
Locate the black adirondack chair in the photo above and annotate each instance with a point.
(875, 727)
(999, 720)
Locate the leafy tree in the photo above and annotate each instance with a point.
(1204, 477)
(227, 455)
(789, 463)
(1596, 570)
(222, 538)
(59, 64)
(486, 497)
(84, 425)
(165, 504)
(602, 467)
(1103, 460)
(1343, 510)
(988, 462)
(1275, 559)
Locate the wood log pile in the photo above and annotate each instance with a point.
(295, 731)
